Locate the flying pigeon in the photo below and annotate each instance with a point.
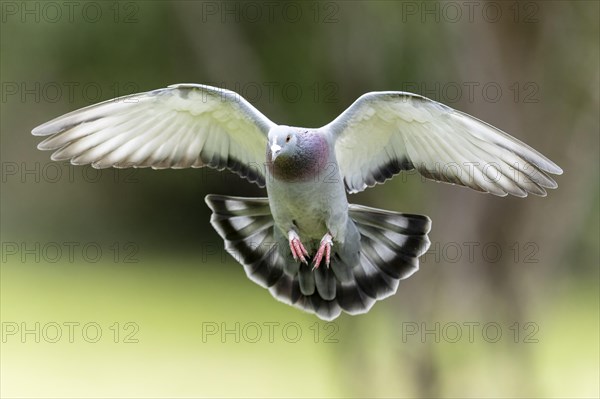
(304, 242)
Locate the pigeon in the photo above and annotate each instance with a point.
(304, 242)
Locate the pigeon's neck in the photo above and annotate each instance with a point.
(309, 159)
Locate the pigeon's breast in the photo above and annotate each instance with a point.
(303, 205)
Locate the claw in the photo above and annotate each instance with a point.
(324, 249)
(298, 250)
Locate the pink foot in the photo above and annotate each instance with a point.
(298, 250)
(324, 249)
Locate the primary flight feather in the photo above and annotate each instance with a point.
(304, 242)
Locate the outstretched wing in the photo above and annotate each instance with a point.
(383, 133)
(181, 126)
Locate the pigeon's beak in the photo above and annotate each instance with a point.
(275, 150)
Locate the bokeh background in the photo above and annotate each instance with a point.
(113, 284)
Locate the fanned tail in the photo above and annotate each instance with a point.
(388, 245)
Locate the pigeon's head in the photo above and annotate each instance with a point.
(295, 153)
(283, 142)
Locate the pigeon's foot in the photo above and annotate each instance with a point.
(298, 250)
(324, 249)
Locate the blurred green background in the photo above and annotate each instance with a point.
(113, 284)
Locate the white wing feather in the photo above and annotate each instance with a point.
(383, 133)
(184, 125)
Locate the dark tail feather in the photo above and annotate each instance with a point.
(390, 244)
(306, 279)
(246, 226)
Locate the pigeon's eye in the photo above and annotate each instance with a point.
(288, 138)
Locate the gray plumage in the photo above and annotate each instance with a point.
(304, 242)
